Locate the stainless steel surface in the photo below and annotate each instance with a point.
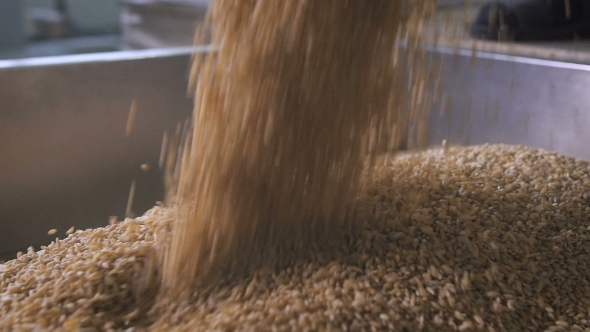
(567, 52)
(495, 98)
(66, 161)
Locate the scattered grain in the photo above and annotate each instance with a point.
(113, 220)
(131, 118)
(130, 199)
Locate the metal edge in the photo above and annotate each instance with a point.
(179, 51)
(102, 57)
(507, 58)
(434, 47)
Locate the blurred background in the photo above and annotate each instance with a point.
(34, 28)
(37, 28)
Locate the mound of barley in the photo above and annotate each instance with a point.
(490, 238)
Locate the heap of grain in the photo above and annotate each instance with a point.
(298, 94)
(491, 238)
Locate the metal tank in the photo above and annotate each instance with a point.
(67, 162)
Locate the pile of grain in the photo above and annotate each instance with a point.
(297, 96)
(491, 238)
